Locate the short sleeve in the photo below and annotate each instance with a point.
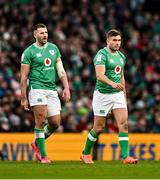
(58, 52)
(123, 57)
(26, 57)
(99, 59)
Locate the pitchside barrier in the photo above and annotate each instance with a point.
(16, 146)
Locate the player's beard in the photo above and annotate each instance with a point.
(114, 49)
(41, 41)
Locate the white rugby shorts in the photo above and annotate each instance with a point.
(103, 103)
(45, 97)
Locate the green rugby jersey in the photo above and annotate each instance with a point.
(42, 61)
(114, 65)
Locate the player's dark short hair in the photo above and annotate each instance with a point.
(113, 32)
(35, 27)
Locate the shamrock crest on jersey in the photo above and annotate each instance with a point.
(121, 60)
(47, 62)
(51, 52)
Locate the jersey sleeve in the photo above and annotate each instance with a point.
(123, 57)
(26, 57)
(58, 52)
(125, 60)
(99, 59)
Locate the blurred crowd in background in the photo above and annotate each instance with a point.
(78, 28)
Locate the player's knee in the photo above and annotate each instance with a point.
(54, 126)
(40, 124)
(98, 129)
(124, 126)
(40, 116)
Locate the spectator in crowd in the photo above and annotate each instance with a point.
(77, 27)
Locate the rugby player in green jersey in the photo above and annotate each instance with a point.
(109, 95)
(39, 63)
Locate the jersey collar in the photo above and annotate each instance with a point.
(110, 52)
(40, 47)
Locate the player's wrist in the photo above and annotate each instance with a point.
(112, 83)
(23, 97)
(66, 88)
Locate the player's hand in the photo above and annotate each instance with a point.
(66, 95)
(117, 86)
(24, 104)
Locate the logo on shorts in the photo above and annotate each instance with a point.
(47, 62)
(39, 100)
(102, 111)
(117, 69)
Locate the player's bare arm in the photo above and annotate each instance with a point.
(123, 82)
(25, 69)
(63, 77)
(100, 75)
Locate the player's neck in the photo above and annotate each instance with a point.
(111, 51)
(40, 44)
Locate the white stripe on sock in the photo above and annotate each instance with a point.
(39, 135)
(91, 137)
(123, 138)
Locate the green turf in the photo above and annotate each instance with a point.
(75, 170)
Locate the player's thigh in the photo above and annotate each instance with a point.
(119, 100)
(40, 113)
(119, 108)
(101, 103)
(38, 103)
(121, 116)
(53, 104)
(54, 120)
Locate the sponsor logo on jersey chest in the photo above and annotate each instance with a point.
(47, 62)
(117, 69)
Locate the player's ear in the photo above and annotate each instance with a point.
(35, 34)
(107, 41)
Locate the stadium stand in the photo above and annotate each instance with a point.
(78, 28)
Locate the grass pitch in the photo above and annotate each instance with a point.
(78, 170)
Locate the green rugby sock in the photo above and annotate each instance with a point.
(91, 139)
(48, 130)
(40, 141)
(123, 141)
